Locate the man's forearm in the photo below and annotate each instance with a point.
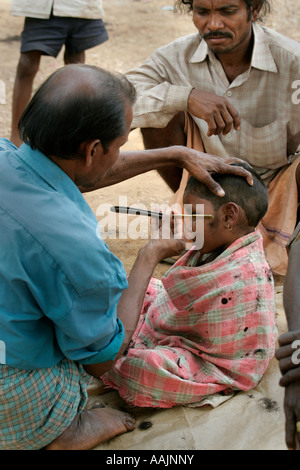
(130, 305)
(130, 164)
(198, 164)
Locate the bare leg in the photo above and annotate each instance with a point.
(27, 68)
(74, 58)
(173, 134)
(91, 428)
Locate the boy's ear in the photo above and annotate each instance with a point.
(231, 213)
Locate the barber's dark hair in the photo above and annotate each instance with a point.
(60, 116)
(264, 6)
(252, 199)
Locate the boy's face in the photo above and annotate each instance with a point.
(213, 229)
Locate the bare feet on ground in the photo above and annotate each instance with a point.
(91, 428)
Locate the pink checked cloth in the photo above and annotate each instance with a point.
(203, 330)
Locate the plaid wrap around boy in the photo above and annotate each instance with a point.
(203, 330)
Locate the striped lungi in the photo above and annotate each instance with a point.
(37, 406)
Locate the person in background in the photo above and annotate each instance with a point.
(221, 90)
(49, 25)
(288, 353)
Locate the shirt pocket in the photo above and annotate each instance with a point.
(264, 146)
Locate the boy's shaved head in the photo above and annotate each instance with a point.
(252, 199)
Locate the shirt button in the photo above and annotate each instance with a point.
(229, 93)
(229, 135)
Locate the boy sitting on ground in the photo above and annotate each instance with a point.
(208, 326)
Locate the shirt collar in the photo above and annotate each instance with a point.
(261, 57)
(54, 176)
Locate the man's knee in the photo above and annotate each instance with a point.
(172, 134)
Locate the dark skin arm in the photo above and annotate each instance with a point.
(286, 354)
(131, 301)
(198, 164)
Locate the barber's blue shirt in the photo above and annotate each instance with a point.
(59, 283)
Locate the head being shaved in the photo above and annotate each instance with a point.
(252, 199)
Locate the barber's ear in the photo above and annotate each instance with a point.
(89, 150)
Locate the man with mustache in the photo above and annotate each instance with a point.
(229, 89)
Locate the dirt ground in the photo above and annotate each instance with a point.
(136, 28)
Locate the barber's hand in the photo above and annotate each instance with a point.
(217, 111)
(166, 236)
(288, 355)
(201, 164)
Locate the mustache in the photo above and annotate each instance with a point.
(217, 35)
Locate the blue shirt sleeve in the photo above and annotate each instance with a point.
(91, 332)
(60, 284)
(85, 321)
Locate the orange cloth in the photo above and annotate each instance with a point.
(280, 220)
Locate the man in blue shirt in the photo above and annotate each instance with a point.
(67, 310)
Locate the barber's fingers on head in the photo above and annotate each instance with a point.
(210, 183)
(226, 166)
(222, 165)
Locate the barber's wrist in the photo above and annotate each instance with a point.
(149, 255)
(180, 155)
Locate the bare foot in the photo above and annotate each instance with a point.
(91, 428)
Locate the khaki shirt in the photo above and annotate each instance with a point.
(91, 9)
(264, 95)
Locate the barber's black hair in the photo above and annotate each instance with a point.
(263, 6)
(252, 199)
(63, 113)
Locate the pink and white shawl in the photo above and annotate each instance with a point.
(203, 330)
